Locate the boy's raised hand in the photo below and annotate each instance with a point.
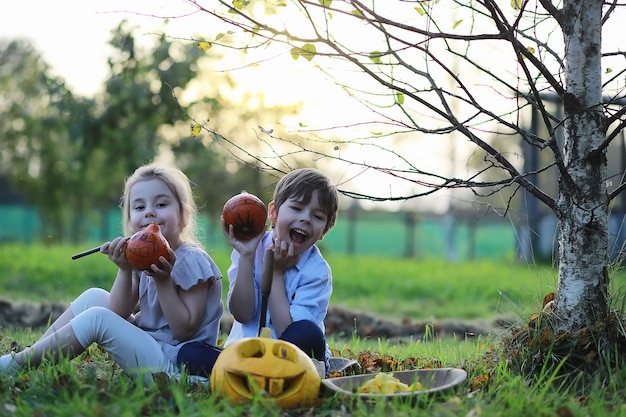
(284, 255)
(244, 247)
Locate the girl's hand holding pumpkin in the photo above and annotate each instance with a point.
(163, 271)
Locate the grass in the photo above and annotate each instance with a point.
(396, 288)
(393, 287)
(435, 289)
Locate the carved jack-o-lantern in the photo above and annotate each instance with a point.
(146, 247)
(268, 369)
(247, 213)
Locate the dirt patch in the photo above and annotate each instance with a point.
(345, 322)
(340, 322)
(22, 314)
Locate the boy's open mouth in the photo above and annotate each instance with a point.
(297, 235)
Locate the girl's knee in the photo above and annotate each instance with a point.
(92, 297)
(95, 324)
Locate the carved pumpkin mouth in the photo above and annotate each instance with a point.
(249, 385)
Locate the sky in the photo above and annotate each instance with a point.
(72, 35)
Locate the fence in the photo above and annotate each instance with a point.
(367, 233)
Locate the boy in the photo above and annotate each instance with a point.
(304, 208)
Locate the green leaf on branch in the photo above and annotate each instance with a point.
(375, 57)
(326, 3)
(357, 13)
(399, 98)
(203, 45)
(195, 129)
(240, 4)
(306, 51)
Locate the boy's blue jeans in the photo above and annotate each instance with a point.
(199, 357)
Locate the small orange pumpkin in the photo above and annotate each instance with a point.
(247, 213)
(266, 369)
(145, 247)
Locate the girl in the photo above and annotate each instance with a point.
(179, 301)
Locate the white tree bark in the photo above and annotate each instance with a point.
(582, 206)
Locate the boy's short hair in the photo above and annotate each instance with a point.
(300, 184)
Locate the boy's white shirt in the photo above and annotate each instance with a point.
(308, 286)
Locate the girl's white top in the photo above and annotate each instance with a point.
(193, 265)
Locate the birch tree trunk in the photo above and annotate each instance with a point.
(582, 206)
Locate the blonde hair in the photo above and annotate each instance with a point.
(180, 186)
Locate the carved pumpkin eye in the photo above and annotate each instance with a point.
(252, 348)
(285, 352)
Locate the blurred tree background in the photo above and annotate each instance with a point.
(67, 156)
(64, 157)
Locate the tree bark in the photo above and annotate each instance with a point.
(582, 206)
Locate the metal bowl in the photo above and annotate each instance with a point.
(432, 381)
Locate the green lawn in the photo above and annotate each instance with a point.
(398, 288)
